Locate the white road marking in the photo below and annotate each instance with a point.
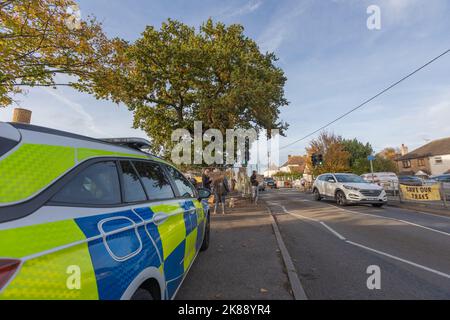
(303, 217)
(442, 274)
(294, 214)
(393, 219)
(337, 234)
(425, 213)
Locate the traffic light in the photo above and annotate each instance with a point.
(247, 152)
(317, 160)
(314, 160)
(320, 159)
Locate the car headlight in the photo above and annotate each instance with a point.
(351, 188)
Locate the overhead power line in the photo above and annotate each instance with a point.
(367, 101)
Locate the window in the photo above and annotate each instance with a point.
(421, 162)
(96, 185)
(6, 145)
(132, 187)
(349, 178)
(438, 160)
(155, 181)
(183, 185)
(406, 164)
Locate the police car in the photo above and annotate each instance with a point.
(82, 218)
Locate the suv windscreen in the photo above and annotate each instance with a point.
(155, 181)
(349, 178)
(95, 185)
(132, 186)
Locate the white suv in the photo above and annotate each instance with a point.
(347, 189)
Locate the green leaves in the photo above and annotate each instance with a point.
(359, 153)
(177, 75)
(169, 77)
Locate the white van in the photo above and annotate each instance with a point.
(387, 180)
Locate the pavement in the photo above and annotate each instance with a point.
(331, 248)
(243, 261)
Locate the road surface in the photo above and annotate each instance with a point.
(331, 248)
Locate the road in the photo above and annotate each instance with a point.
(332, 248)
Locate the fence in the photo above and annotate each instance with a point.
(433, 194)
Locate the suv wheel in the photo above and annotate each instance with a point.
(205, 243)
(341, 200)
(316, 195)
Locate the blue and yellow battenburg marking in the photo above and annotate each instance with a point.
(109, 264)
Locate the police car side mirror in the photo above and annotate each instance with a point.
(203, 193)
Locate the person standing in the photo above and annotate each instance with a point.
(220, 189)
(255, 187)
(206, 180)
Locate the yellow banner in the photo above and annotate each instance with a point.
(424, 193)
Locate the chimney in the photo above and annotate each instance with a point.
(22, 116)
(404, 150)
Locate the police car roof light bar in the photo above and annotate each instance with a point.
(135, 143)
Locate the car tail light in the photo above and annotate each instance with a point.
(7, 269)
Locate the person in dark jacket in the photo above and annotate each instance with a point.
(255, 187)
(220, 190)
(206, 180)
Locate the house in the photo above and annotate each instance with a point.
(271, 171)
(295, 164)
(432, 158)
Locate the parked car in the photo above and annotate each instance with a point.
(445, 180)
(429, 182)
(442, 178)
(347, 189)
(387, 180)
(270, 183)
(410, 181)
(128, 223)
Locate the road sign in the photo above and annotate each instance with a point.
(371, 158)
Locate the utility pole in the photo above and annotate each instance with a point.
(371, 158)
(257, 155)
(268, 158)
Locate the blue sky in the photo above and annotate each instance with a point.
(332, 62)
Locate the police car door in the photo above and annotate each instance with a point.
(194, 216)
(165, 222)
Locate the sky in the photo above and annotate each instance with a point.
(333, 62)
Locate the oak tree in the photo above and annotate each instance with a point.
(175, 75)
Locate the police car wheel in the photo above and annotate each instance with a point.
(142, 294)
(205, 243)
